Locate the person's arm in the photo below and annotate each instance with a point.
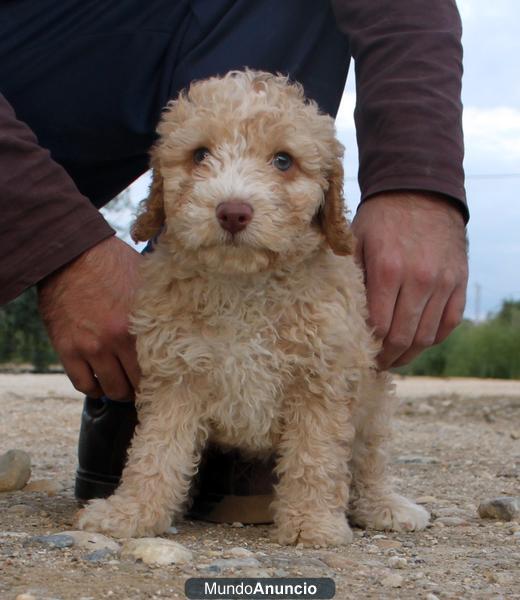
(45, 222)
(408, 63)
(53, 236)
(411, 221)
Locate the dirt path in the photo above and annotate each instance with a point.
(457, 442)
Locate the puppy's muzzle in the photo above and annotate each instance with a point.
(234, 216)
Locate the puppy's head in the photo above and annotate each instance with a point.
(247, 175)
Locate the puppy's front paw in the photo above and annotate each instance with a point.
(392, 513)
(121, 518)
(102, 516)
(329, 530)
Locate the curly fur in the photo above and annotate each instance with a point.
(257, 341)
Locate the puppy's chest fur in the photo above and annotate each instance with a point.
(242, 349)
(240, 373)
(225, 347)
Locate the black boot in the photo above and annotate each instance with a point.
(106, 430)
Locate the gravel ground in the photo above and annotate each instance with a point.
(457, 442)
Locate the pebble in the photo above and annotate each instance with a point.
(425, 409)
(234, 563)
(240, 552)
(25, 597)
(431, 597)
(256, 573)
(500, 578)
(47, 486)
(394, 580)
(156, 551)
(503, 508)
(20, 509)
(451, 511)
(56, 540)
(338, 561)
(93, 541)
(426, 500)
(450, 522)
(510, 472)
(100, 555)
(309, 562)
(397, 562)
(488, 415)
(385, 544)
(417, 460)
(18, 534)
(211, 568)
(280, 573)
(237, 524)
(15, 470)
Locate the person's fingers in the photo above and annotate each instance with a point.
(111, 377)
(409, 308)
(453, 313)
(427, 330)
(383, 280)
(81, 376)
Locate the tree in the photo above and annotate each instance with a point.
(22, 334)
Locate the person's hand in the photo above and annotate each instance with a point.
(412, 247)
(85, 307)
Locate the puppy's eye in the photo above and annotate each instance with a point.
(282, 161)
(200, 154)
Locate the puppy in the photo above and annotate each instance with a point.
(251, 320)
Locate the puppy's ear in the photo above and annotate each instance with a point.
(151, 218)
(332, 218)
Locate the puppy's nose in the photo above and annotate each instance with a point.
(234, 216)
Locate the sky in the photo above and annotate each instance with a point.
(491, 119)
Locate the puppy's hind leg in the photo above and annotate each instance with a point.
(374, 504)
(162, 460)
(313, 454)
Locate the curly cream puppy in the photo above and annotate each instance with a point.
(251, 320)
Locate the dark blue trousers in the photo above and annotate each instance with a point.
(90, 76)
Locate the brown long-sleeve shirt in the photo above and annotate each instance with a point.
(408, 61)
(408, 71)
(45, 222)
